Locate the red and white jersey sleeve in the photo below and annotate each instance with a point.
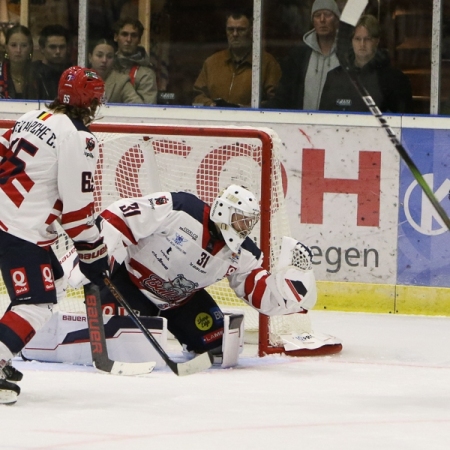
(255, 285)
(128, 221)
(47, 174)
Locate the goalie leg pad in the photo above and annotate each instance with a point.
(233, 339)
(65, 338)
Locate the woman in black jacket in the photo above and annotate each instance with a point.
(389, 87)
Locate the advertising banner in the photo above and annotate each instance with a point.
(424, 241)
(342, 199)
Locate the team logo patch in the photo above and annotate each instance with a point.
(47, 277)
(161, 200)
(203, 321)
(90, 144)
(91, 74)
(170, 291)
(20, 281)
(179, 240)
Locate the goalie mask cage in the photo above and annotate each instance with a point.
(136, 159)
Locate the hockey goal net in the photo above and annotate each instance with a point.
(137, 159)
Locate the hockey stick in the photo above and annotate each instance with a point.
(349, 18)
(199, 363)
(97, 340)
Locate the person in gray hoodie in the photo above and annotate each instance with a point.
(305, 69)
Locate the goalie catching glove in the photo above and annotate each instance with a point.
(293, 277)
(94, 263)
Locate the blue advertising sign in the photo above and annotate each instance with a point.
(424, 240)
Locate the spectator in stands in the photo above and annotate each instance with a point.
(54, 47)
(16, 80)
(389, 87)
(132, 59)
(118, 87)
(226, 76)
(306, 67)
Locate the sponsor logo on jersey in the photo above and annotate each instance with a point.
(47, 277)
(195, 267)
(160, 260)
(165, 255)
(189, 233)
(230, 271)
(20, 280)
(179, 240)
(213, 336)
(203, 321)
(217, 313)
(235, 256)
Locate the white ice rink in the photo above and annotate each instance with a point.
(388, 389)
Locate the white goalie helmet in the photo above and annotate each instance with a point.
(235, 211)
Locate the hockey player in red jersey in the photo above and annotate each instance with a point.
(170, 246)
(46, 174)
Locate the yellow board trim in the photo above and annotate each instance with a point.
(383, 298)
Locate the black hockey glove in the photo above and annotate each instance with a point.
(344, 44)
(94, 263)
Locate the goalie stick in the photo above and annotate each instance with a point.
(199, 363)
(349, 18)
(97, 340)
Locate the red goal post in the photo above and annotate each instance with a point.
(201, 160)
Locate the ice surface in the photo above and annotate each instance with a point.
(388, 389)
